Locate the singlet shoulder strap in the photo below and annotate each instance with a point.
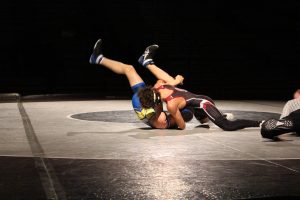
(160, 87)
(170, 87)
(169, 98)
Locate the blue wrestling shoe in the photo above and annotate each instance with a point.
(97, 55)
(147, 57)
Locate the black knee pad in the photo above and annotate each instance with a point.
(273, 127)
(267, 127)
(200, 114)
(187, 114)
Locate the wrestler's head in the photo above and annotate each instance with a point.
(149, 97)
(297, 94)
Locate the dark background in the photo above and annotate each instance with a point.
(226, 50)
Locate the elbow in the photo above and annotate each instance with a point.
(181, 127)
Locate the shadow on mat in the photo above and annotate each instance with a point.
(147, 132)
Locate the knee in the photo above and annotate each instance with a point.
(267, 127)
(266, 134)
(187, 114)
(226, 125)
(201, 116)
(129, 69)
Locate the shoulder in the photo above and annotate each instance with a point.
(293, 101)
(292, 105)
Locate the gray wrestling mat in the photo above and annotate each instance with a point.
(46, 152)
(128, 116)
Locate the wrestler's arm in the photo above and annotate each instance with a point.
(164, 76)
(160, 119)
(159, 73)
(175, 113)
(176, 81)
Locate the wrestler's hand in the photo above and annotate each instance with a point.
(180, 79)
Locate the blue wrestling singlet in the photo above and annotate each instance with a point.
(144, 114)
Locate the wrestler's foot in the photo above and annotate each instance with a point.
(272, 128)
(147, 57)
(261, 123)
(229, 116)
(97, 55)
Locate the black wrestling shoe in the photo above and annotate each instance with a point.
(272, 128)
(97, 55)
(147, 57)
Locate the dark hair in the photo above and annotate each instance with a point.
(146, 97)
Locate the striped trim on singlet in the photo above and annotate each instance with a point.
(188, 96)
(170, 97)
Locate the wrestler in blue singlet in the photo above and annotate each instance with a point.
(145, 114)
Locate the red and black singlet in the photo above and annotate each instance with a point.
(192, 100)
